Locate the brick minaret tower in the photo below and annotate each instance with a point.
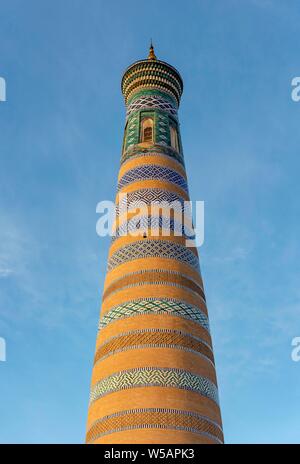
(154, 378)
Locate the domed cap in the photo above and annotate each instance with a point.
(151, 74)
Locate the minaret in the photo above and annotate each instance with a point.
(154, 378)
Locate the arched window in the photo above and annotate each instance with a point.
(174, 138)
(147, 130)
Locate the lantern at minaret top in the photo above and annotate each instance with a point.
(152, 85)
(154, 378)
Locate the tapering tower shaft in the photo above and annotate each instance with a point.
(154, 378)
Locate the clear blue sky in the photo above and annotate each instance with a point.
(61, 134)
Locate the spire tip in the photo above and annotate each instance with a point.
(151, 55)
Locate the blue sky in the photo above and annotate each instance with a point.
(61, 135)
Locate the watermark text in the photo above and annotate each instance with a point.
(2, 89)
(2, 349)
(295, 354)
(296, 89)
(151, 219)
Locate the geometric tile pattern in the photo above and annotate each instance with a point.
(155, 377)
(163, 129)
(132, 132)
(141, 224)
(166, 306)
(150, 172)
(155, 418)
(153, 248)
(153, 338)
(149, 102)
(148, 196)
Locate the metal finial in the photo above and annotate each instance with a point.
(151, 55)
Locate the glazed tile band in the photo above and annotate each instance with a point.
(148, 196)
(149, 102)
(155, 377)
(155, 225)
(153, 248)
(154, 306)
(150, 172)
(160, 149)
